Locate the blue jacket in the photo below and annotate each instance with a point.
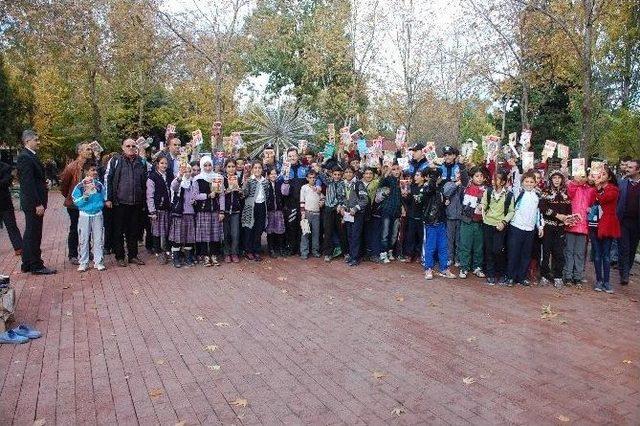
(623, 186)
(92, 204)
(418, 166)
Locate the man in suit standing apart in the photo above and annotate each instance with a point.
(33, 199)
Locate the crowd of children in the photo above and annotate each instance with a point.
(499, 222)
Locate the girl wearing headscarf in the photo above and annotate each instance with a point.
(209, 206)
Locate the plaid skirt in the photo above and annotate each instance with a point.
(208, 227)
(183, 229)
(160, 225)
(275, 222)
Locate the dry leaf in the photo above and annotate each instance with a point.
(563, 418)
(135, 291)
(181, 423)
(282, 278)
(68, 313)
(627, 361)
(398, 411)
(213, 367)
(369, 289)
(65, 286)
(399, 298)
(222, 324)
(284, 291)
(160, 361)
(210, 348)
(468, 380)
(563, 321)
(547, 313)
(634, 300)
(39, 422)
(240, 402)
(199, 318)
(156, 393)
(269, 268)
(379, 374)
(472, 339)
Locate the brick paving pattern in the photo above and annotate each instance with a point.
(303, 342)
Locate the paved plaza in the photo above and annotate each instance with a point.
(305, 342)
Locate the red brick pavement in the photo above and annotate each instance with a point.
(303, 342)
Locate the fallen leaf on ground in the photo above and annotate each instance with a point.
(39, 422)
(210, 348)
(547, 313)
(155, 393)
(181, 423)
(330, 297)
(627, 361)
(378, 374)
(563, 418)
(369, 289)
(399, 298)
(66, 286)
(160, 361)
(68, 313)
(634, 300)
(135, 291)
(472, 339)
(398, 411)
(282, 278)
(199, 318)
(222, 324)
(284, 291)
(213, 367)
(468, 380)
(240, 402)
(269, 268)
(563, 321)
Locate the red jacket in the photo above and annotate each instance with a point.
(608, 226)
(582, 197)
(69, 178)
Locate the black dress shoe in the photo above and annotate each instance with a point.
(44, 271)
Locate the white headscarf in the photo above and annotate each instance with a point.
(204, 175)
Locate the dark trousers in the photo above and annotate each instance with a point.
(627, 246)
(553, 244)
(519, 246)
(72, 239)
(494, 251)
(276, 242)
(331, 223)
(126, 225)
(108, 229)
(8, 218)
(601, 252)
(354, 235)
(373, 231)
(413, 237)
(31, 253)
(253, 236)
(292, 229)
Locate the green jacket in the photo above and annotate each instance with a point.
(494, 212)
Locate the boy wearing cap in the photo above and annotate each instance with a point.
(418, 160)
(450, 167)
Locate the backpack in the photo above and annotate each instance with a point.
(507, 201)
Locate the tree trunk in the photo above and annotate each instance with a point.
(504, 116)
(524, 105)
(140, 114)
(95, 109)
(585, 140)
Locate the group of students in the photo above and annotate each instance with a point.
(495, 222)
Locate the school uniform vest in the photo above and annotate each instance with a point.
(274, 196)
(161, 194)
(210, 204)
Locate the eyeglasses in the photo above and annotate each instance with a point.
(129, 146)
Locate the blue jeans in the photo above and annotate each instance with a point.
(354, 235)
(519, 246)
(601, 252)
(435, 240)
(390, 228)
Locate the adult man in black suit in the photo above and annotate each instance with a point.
(33, 199)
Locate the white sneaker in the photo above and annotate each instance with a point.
(478, 273)
(447, 274)
(214, 261)
(463, 274)
(428, 274)
(100, 267)
(449, 263)
(384, 258)
(390, 255)
(83, 268)
(457, 264)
